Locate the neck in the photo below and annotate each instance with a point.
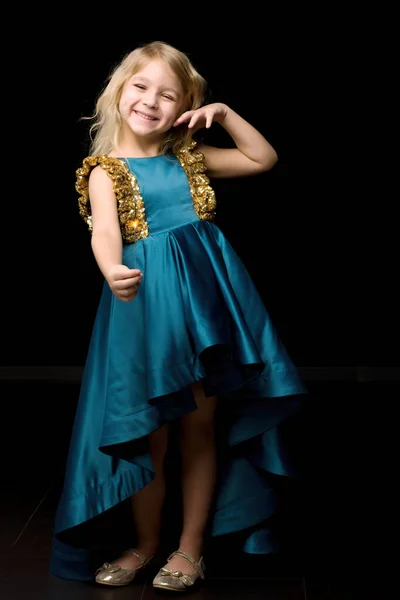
(138, 147)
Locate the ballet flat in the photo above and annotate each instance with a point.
(176, 581)
(109, 574)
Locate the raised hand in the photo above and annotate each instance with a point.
(203, 116)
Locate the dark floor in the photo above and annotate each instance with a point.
(334, 541)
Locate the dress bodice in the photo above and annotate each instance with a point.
(165, 190)
(153, 194)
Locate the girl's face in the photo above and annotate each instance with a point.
(151, 100)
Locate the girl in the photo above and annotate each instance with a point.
(181, 335)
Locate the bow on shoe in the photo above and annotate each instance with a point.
(186, 579)
(109, 568)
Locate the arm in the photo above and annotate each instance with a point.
(253, 153)
(107, 240)
(106, 237)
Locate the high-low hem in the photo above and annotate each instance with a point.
(197, 316)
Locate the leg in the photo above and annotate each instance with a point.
(148, 503)
(198, 476)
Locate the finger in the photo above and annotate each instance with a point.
(209, 121)
(127, 293)
(184, 117)
(131, 296)
(124, 284)
(193, 121)
(129, 274)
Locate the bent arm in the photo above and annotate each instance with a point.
(253, 153)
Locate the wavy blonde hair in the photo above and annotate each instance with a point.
(106, 128)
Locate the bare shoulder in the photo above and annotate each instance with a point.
(103, 201)
(101, 192)
(99, 176)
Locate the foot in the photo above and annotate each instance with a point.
(130, 561)
(177, 563)
(124, 569)
(172, 578)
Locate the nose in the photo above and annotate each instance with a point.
(150, 100)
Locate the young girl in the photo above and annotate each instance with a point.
(181, 336)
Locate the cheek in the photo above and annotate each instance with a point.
(123, 109)
(127, 98)
(122, 103)
(180, 110)
(173, 112)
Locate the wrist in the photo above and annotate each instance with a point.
(109, 271)
(224, 108)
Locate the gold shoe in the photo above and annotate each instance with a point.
(115, 575)
(176, 581)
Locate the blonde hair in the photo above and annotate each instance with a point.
(107, 122)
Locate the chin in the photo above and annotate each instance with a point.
(145, 130)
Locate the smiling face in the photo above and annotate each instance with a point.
(150, 102)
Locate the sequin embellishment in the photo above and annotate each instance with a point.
(203, 195)
(131, 211)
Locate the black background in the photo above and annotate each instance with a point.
(300, 229)
(318, 234)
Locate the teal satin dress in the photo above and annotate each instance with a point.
(197, 316)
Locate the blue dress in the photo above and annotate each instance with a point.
(197, 316)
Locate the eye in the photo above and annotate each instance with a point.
(168, 97)
(139, 85)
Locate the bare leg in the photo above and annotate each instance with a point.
(148, 503)
(198, 477)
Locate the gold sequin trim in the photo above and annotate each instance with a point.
(131, 211)
(203, 195)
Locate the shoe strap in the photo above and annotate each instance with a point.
(138, 554)
(197, 565)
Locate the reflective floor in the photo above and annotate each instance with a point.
(335, 524)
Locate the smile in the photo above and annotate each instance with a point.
(145, 117)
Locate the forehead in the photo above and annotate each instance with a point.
(159, 72)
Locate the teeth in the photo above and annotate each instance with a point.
(145, 116)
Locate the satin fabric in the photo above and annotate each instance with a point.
(197, 316)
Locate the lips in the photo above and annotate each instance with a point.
(144, 116)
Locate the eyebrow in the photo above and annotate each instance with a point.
(145, 80)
